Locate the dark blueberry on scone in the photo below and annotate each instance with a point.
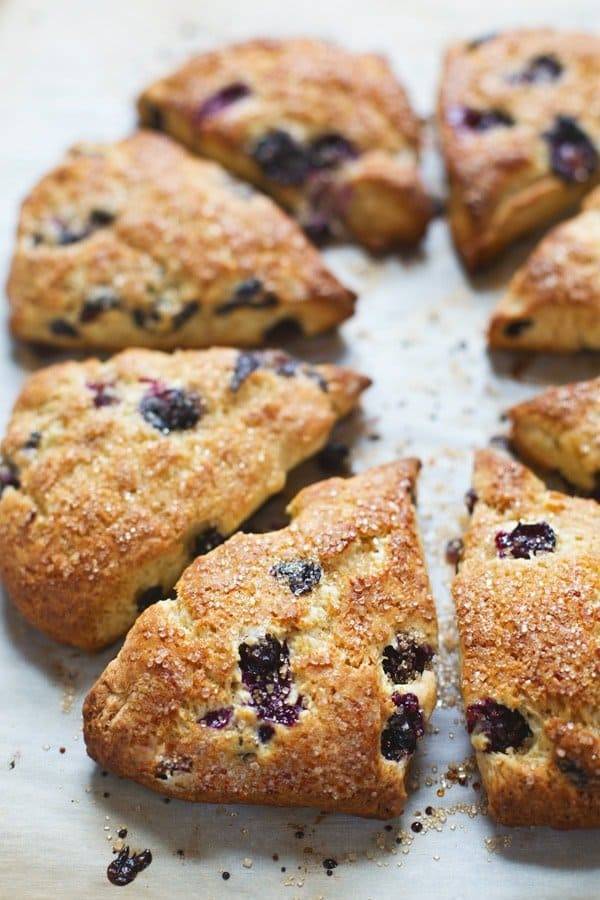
(149, 459)
(528, 625)
(495, 728)
(275, 695)
(553, 301)
(560, 429)
(520, 129)
(328, 133)
(406, 659)
(300, 575)
(187, 257)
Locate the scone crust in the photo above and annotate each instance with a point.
(560, 429)
(307, 88)
(180, 660)
(529, 637)
(553, 301)
(108, 506)
(501, 182)
(140, 243)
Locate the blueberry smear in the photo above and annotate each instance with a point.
(281, 158)
(170, 409)
(301, 575)
(245, 365)
(405, 661)
(541, 69)
(573, 156)
(102, 394)
(503, 727)
(266, 673)
(479, 119)
(403, 728)
(525, 540)
(124, 869)
(222, 99)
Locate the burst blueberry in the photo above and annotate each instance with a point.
(403, 728)
(266, 673)
(222, 99)
(573, 156)
(406, 660)
(526, 540)
(502, 727)
(170, 409)
(282, 159)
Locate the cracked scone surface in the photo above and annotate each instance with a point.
(115, 475)
(292, 669)
(527, 597)
(560, 429)
(140, 243)
(553, 301)
(330, 134)
(519, 114)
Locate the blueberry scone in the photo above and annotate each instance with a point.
(560, 429)
(520, 125)
(553, 300)
(115, 475)
(526, 597)
(141, 243)
(328, 133)
(291, 668)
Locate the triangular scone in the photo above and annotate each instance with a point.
(560, 429)
(526, 598)
(141, 243)
(292, 668)
(115, 475)
(330, 134)
(553, 301)
(520, 128)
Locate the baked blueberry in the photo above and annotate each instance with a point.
(471, 119)
(403, 728)
(502, 727)
(330, 150)
(406, 659)
(526, 540)
(9, 477)
(170, 409)
(573, 156)
(217, 718)
(265, 667)
(542, 69)
(249, 294)
(281, 158)
(124, 869)
(62, 328)
(98, 302)
(207, 540)
(301, 575)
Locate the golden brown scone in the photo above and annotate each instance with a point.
(116, 475)
(140, 243)
(553, 300)
(560, 429)
(526, 597)
(291, 669)
(519, 115)
(330, 134)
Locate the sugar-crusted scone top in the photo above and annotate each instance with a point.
(520, 119)
(553, 300)
(114, 473)
(325, 130)
(527, 597)
(560, 429)
(293, 668)
(140, 243)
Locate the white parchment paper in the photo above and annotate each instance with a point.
(70, 70)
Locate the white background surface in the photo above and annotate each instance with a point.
(70, 71)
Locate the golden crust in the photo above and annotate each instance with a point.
(560, 429)
(502, 184)
(529, 631)
(308, 89)
(140, 243)
(181, 660)
(553, 300)
(109, 506)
